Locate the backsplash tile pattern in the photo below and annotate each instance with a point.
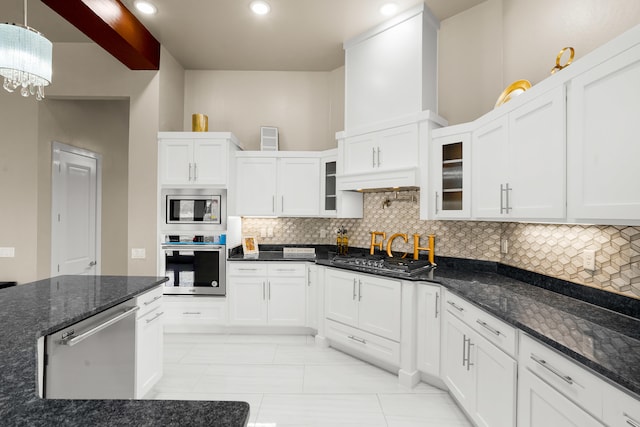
(550, 249)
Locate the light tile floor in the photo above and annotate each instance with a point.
(289, 381)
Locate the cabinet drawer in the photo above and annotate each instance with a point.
(239, 268)
(149, 301)
(495, 330)
(620, 409)
(373, 345)
(210, 312)
(288, 269)
(566, 376)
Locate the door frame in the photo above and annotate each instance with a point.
(56, 148)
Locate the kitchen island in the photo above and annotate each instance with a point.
(37, 309)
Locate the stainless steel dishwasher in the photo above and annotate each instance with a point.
(94, 358)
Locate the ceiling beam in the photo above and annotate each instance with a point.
(111, 25)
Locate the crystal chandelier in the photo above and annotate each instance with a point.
(25, 58)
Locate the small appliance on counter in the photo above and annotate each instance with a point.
(194, 264)
(379, 264)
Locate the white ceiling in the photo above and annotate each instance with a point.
(298, 35)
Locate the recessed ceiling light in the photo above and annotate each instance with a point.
(260, 7)
(146, 7)
(389, 9)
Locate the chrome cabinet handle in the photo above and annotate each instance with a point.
(507, 190)
(360, 340)
(264, 297)
(153, 300)
(437, 299)
(189, 171)
(544, 364)
(273, 203)
(379, 157)
(489, 328)
(195, 313)
(269, 290)
(436, 204)
(373, 157)
(155, 317)
(195, 171)
(631, 421)
(354, 289)
(285, 269)
(282, 203)
(456, 306)
(359, 290)
(501, 199)
(469, 344)
(71, 341)
(247, 269)
(464, 353)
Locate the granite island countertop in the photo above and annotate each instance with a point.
(606, 341)
(36, 309)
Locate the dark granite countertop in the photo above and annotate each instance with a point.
(36, 309)
(596, 328)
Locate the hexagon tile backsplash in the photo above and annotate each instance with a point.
(550, 249)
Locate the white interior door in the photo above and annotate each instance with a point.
(75, 211)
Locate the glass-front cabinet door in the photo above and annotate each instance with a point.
(450, 164)
(329, 201)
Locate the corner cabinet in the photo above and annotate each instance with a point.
(519, 162)
(277, 185)
(195, 158)
(603, 149)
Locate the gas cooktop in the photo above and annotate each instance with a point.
(373, 263)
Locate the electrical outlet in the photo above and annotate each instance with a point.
(270, 232)
(7, 252)
(263, 232)
(138, 253)
(589, 259)
(504, 246)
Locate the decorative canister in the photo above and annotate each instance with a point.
(199, 123)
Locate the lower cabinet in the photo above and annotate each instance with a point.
(149, 341)
(363, 313)
(478, 374)
(186, 311)
(540, 405)
(267, 293)
(428, 329)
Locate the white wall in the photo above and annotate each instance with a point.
(298, 103)
(18, 186)
(484, 49)
(101, 127)
(171, 93)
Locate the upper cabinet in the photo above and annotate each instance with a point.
(277, 184)
(391, 70)
(518, 162)
(195, 158)
(450, 168)
(603, 150)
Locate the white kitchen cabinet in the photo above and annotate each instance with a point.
(428, 329)
(540, 405)
(451, 171)
(620, 409)
(479, 374)
(195, 158)
(299, 186)
(313, 273)
(278, 185)
(388, 149)
(267, 293)
(364, 301)
(518, 162)
(256, 186)
(149, 341)
(328, 192)
(602, 148)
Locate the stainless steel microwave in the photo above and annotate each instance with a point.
(194, 209)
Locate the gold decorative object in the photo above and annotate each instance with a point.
(513, 90)
(559, 67)
(199, 123)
